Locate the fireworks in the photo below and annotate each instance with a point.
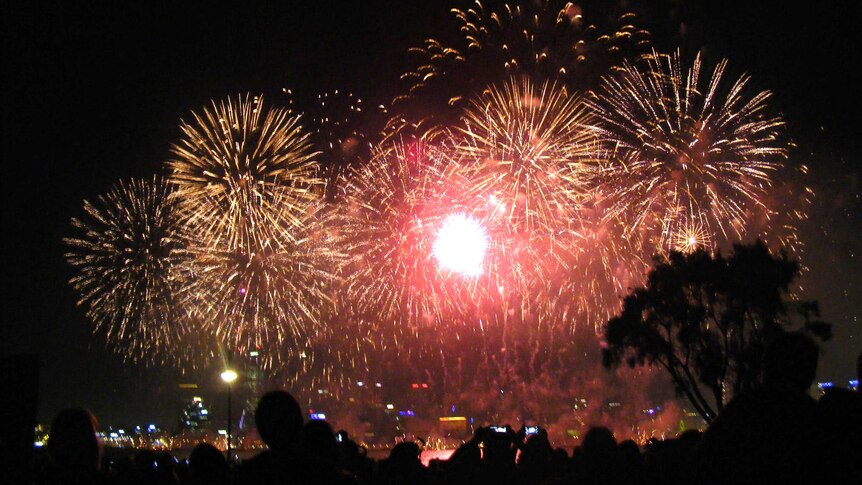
(460, 245)
(398, 302)
(245, 178)
(125, 253)
(483, 240)
(530, 146)
(343, 130)
(689, 152)
(520, 214)
(243, 173)
(392, 209)
(545, 40)
(530, 151)
(269, 297)
(689, 233)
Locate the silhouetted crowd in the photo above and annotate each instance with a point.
(774, 434)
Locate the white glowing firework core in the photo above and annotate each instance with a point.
(461, 244)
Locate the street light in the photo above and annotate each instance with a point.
(228, 376)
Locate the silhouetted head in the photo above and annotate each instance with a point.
(318, 441)
(405, 452)
(538, 444)
(790, 362)
(560, 456)
(599, 445)
(467, 457)
(500, 444)
(207, 464)
(145, 460)
(72, 441)
(279, 420)
(630, 452)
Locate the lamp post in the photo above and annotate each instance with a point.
(228, 376)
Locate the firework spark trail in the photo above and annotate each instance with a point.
(686, 149)
(405, 302)
(530, 146)
(787, 201)
(529, 149)
(570, 200)
(269, 298)
(344, 130)
(243, 173)
(521, 166)
(245, 179)
(546, 40)
(126, 253)
(391, 209)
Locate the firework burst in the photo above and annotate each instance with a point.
(393, 208)
(126, 253)
(690, 152)
(245, 178)
(397, 301)
(344, 129)
(544, 40)
(529, 145)
(243, 172)
(530, 149)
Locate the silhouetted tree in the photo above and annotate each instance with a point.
(705, 320)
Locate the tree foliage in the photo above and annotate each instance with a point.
(705, 320)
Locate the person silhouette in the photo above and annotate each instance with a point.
(843, 407)
(775, 433)
(279, 423)
(403, 465)
(536, 455)
(207, 465)
(321, 455)
(74, 450)
(598, 461)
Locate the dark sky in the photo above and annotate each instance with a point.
(93, 91)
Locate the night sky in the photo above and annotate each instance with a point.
(93, 92)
